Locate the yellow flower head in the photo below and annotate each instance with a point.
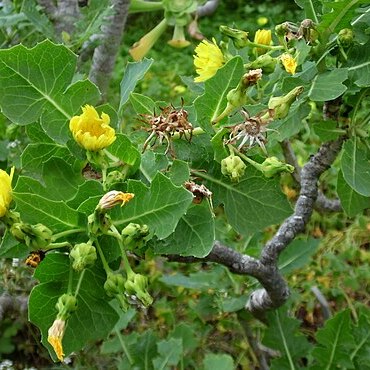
(208, 60)
(262, 37)
(90, 131)
(113, 198)
(5, 190)
(289, 63)
(55, 337)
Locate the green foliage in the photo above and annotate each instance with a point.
(91, 196)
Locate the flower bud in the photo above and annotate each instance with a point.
(113, 198)
(55, 337)
(233, 167)
(345, 37)
(238, 37)
(42, 237)
(82, 255)
(67, 303)
(134, 235)
(281, 29)
(265, 62)
(262, 37)
(115, 284)
(281, 104)
(137, 284)
(271, 166)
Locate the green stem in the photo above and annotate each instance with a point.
(67, 232)
(137, 6)
(124, 347)
(70, 279)
(57, 245)
(111, 156)
(196, 131)
(117, 235)
(103, 260)
(79, 282)
(247, 159)
(104, 178)
(262, 46)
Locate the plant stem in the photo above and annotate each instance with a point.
(79, 282)
(67, 232)
(117, 235)
(103, 260)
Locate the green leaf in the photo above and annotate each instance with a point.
(160, 206)
(36, 84)
(351, 201)
(335, 343)
(134, 72)
(144, 350)
(170, 352)
(61, 179)
(327, 130)
(37, 134)
(94, 317)
(251, 204)
(88, 189)
(34, 208)
(213, 361)
(213, 101)
(297, 255)
(361, 333)
(151, 163)
(283, 335)
(179, 172)
(355, 164)
(142, 104)
(343, 11)
(11, 248)
(187, 334)
(310, 8)
(218, 145)
(359, 64)
(194, 234)
(39, 20)
(126, 152)
(328, 85)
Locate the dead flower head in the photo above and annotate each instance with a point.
(251, 131)
(164, 126)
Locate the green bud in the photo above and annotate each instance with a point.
(233, 167)
(265, 61)
(98, 222)
(271, 166)
(115, 284)
(137, 284)
(42, 237)
(66, 304)
(238, 37)
(114, 177)
(82, 255)
(281, 29)
(133, 235)
(11, 217)
(236, 97)
(345, 37)
(281, 104)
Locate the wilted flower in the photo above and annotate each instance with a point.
(91, 131)
(289, 63)
(208, 60)
(113, 198)
(55, 337)
(5, 190)
(262, 37)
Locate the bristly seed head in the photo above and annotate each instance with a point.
(166, 124)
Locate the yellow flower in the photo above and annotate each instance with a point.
(5, 190)
(289, 63)
(262, 37)
(113, 198)
(208, 60)
(90, 131)
(55, 337)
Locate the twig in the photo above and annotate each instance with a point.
(106, 53)
(65, 16)
(323, 302)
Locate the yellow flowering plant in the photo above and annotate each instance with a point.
(100, 190)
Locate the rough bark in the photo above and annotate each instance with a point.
(106, 53)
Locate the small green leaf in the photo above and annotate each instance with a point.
(151, 163)
(213, 101)
(160, 207)
(355, 164)
(328, 85)
(134, 72)
(283, 335)
(213, 361)
(11, 248)
(327, 130)
(179, 172)
(351, 201)
(361, 353)
(188, 335)
(359, 62)
(170, 352)
(142, 104)
(335, 343)
(94, 317)
(297, 255)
